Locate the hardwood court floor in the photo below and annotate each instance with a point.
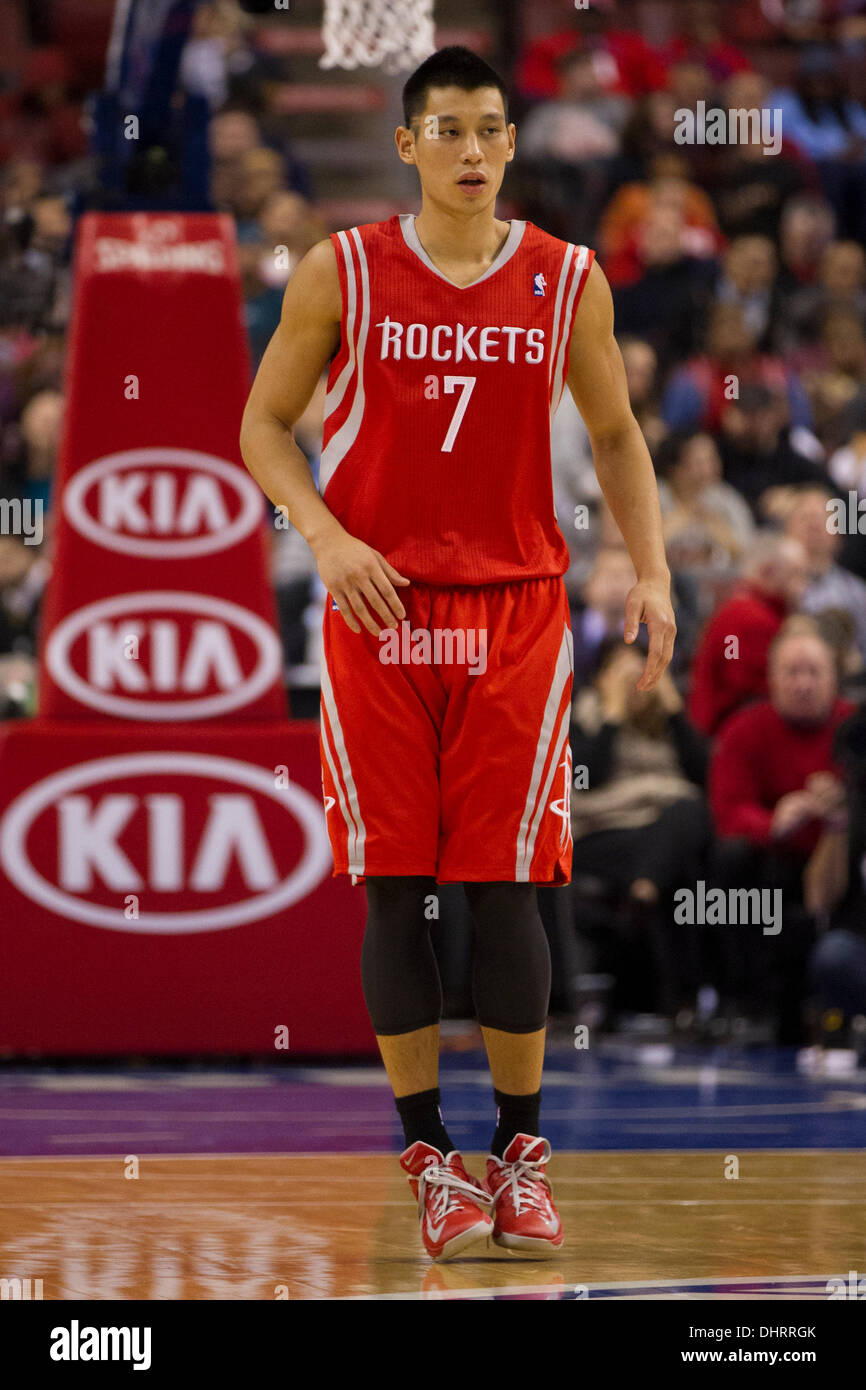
(310, 1226)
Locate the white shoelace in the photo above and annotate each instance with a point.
(447, 1185)
(525, 1183)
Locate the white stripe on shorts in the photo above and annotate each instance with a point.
(356, 830)
(548, 743)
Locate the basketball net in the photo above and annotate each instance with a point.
(397, 34)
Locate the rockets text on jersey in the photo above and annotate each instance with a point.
(436, 446)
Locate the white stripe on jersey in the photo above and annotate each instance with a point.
(339, 445)
(558, 383)
(557, 311)
(338, 390)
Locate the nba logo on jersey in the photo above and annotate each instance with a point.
(539, 284)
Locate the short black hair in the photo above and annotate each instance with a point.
(669, 451)
(454, 66)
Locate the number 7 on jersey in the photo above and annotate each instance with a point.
(449, 386)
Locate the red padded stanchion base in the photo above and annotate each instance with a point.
(170, 891)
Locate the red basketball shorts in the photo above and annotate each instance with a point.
(444, 744)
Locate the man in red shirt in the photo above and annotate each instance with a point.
(773, 789)
(624, 62)
(730, 663)
(772, 780)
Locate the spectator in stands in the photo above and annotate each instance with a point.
(22, 184)
(796, 21)
(841, 283)
(216, 48)
(576, 492)
(641, 363)
(730, 665)
(749, 188)
(293, 565)
(33, 443)
(18, 681)
(834, 891)
(583, 122)
(639, 820)
(666, 303)
(626, 63)
(839, 631)
(847, 464)
(566, 146)
(261, 174)
(806, 229)
(23, 575)
(287, 228)
(622, 232)
(601, 618)
(649, 149)
(232, 132)
(700, 39)
(40, 365)
(704, 390)
(773, 787)
(818, 116)
(262, 298)
(826, 121)
(842, 351)
(34, 272)
(246, 170)
(761, 453)
(287, 219)
(833, 370)
(747, 278)
(708, 528)
(829, 585)
(43, 122)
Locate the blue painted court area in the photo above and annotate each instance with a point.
(617, 1097)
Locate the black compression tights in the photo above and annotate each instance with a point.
(511, 961)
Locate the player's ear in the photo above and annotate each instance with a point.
(404, 139)
(512, 132)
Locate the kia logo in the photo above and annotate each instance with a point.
(166, 504)
(180, 656)
(172, 838)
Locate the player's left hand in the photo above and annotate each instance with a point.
(649, 601)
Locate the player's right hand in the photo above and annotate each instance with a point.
(359, 579)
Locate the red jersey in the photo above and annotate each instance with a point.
(436, 447)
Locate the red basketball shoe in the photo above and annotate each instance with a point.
(452, 1205)
(526, 1218)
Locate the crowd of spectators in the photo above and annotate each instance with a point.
(738, 273)
(739, 282)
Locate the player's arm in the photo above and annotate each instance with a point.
(597, 381)
(298, 353)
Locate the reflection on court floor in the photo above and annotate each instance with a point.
(729, 1177)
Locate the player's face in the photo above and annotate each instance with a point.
(461, 145)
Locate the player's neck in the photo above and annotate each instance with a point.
(469, 244)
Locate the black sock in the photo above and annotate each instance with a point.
(515, 1115)
(422, 1119)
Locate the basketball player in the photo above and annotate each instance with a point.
(447, 670)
